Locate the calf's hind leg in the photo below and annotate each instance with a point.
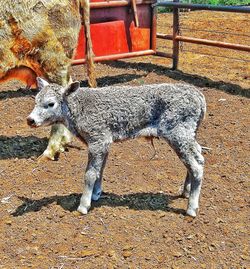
(189, 153)
(187, 186)
(187, 183)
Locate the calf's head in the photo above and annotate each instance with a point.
(49, 103)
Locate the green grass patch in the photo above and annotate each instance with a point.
(164, 9)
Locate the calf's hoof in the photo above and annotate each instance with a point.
(185, 194)
(82, 209)
(45, 158)
(191, 212)
(96, 195)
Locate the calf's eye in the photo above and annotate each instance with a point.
(51, 104)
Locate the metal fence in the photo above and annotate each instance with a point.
(177, 38)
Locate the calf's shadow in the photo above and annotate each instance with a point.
(136, 201)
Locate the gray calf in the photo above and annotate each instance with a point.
(102, 116)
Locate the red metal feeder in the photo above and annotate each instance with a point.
(119, 29)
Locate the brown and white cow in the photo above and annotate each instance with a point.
(38, 38)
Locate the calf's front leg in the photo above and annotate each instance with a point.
(97, 190)
(92, 180)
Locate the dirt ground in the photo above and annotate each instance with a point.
(140, 221)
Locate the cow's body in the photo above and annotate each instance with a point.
(41, 35)
(38, 38)
(22, 73)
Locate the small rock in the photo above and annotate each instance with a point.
(177, 254)
(161, 259)
(190, 236)
(206, 221)
(8, 222)
(126, 253)
(211, 248)
(167, 236)
(213, 245)
(245, 257)
(128, 247)
(111, 253)
(89, 252)
(162, 215)
(175, 267)
(220, 220)
(77, 214)
(189, 218)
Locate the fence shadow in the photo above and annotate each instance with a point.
(136, 201)
(196, 80)
(17, 93)
(21, 147)
(112, 80)
(102, 82)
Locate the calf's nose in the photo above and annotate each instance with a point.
(31, 122)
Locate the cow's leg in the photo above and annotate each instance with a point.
(56, 69)
(89, 48)
(96, 164)
(60, 136)
(188, 150)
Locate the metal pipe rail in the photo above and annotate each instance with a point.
(238, 9)
(205, 42)
(177, 38)
(117, 56)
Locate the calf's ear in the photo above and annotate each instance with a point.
(71, 88)
(41, 83)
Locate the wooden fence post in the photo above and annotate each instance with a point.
(175, 34)
(153, 29)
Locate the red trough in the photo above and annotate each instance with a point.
(113, 31)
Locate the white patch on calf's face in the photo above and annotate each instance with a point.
(47, 108)
(38, 117)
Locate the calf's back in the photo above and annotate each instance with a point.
(124, 111)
